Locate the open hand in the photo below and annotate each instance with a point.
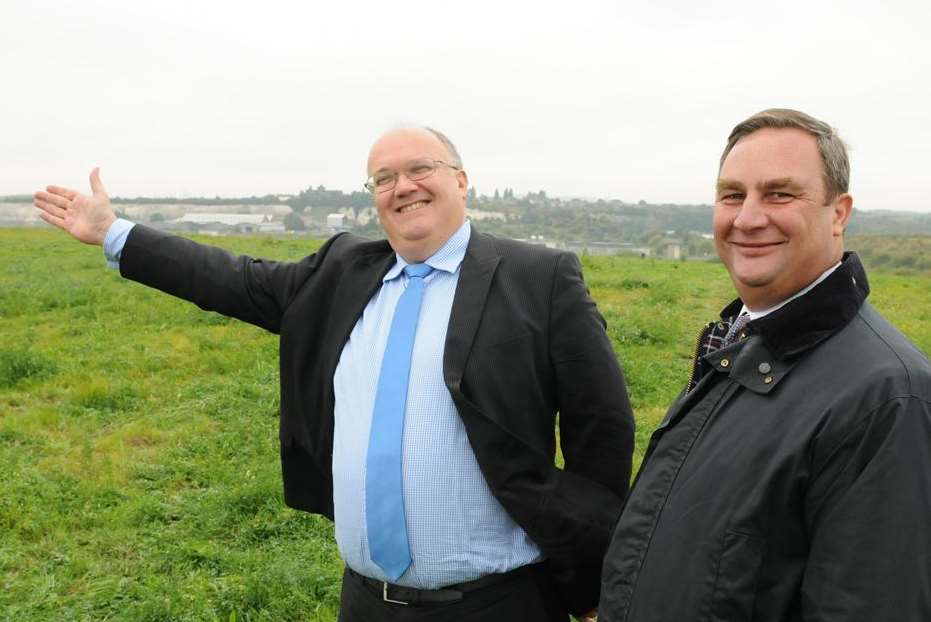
(87, 218)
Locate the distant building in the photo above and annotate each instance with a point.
(336, 223)
(210, 222)
(671, 249)
(478, 215)
(540, 240)
(271, 227)
(348, 212)
(366, 215)
(204, 218)
(20, 215)
(599, 248)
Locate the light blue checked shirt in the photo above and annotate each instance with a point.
(457, 530)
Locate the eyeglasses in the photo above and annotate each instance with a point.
(415, 170)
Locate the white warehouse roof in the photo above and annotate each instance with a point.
(204, 218)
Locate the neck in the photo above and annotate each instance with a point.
(423, 249)
(418, 254)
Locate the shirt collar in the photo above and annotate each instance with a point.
(764, 312)
(447, 259)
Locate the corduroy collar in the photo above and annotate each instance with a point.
(810, 319)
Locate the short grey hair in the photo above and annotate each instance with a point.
(832, 149)
(450, 147)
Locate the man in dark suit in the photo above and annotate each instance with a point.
(420, 381)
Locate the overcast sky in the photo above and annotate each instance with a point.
(598, 99)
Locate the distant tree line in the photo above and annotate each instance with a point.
(321, 197)
(893, 252)
(573, 219)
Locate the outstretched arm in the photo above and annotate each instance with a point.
(86, 218)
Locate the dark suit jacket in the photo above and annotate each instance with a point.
(524, 342)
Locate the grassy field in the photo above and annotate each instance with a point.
(139, 475)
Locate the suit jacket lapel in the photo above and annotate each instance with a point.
(356, 287)
(478, 269)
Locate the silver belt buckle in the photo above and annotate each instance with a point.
(384, 594)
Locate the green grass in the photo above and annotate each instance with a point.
(139, 473)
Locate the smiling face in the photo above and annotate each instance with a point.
(417, 216)
(773, 229)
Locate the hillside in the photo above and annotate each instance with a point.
(138, 434)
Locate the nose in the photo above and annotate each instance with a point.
(404, 186)
(752, 214)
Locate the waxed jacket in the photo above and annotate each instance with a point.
(793, 482)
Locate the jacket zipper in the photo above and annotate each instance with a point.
(696, 359)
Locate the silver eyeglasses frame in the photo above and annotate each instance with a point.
(389, 179)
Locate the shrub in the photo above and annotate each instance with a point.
(21, 364)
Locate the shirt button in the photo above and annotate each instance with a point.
(764, 368)
(725, 362)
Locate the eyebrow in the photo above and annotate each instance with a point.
(728, 184)
(385, 168)
(782, 182)
(769, 184)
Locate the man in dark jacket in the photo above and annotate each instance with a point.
(424, 424)
(791, 479)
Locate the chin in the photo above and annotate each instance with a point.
(753, 271)
(751, 279)
(415, 235)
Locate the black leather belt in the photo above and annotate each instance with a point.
(401, 595)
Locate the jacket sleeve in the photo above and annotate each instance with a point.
(596, 437)
(867, 512)
(253, 290)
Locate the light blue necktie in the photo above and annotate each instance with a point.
(384, 501)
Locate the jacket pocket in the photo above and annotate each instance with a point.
(735, 581)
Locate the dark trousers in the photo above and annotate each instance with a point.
(526, 597)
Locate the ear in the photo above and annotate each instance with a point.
(842, 207)
(463, 183)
